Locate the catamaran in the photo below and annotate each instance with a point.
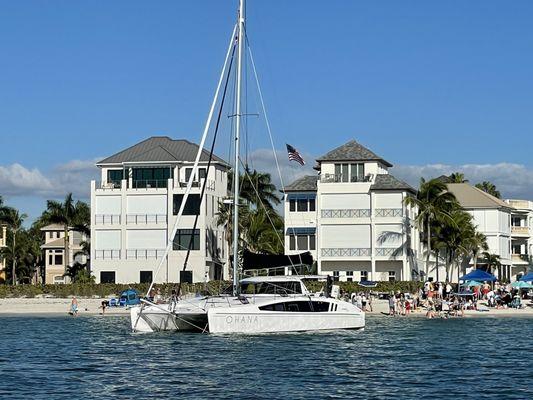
(260, 304)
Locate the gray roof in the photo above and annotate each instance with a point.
(389, 182)
(472, 197)
(304, 184)
(352, 151)
(161, 149)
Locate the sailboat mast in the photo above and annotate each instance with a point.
(237, 145)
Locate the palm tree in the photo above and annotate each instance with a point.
(433, 203)
(14, 221)
(476, 243)
(256, 188)
(69, 214)
(492, 261)
(489, 188)
(457, 177)
(263, 231)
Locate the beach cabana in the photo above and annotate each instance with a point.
(527, 277)
(478, 275)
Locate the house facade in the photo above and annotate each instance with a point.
(134, 208)
(53, 247)
(521, 238)
(492, 217)
(3, 243)
(352, 217)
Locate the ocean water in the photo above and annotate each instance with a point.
(401, 358)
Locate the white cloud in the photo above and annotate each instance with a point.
(512, 180)
(73, 176)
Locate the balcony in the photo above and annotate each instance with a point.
(520, 230)
(389, 252)
(346, 252)
(109, 185)
(107, 219)
(388, 212)
(521, 204)
(340, 178)
(144, 254)
(107, 254)
(346, 213)
(520, 259)
(144, 219)
(209, 184)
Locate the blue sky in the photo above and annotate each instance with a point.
(430, 86)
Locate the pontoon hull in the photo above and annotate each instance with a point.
(153, 319)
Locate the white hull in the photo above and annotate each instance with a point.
(249, 321)
(155, 319)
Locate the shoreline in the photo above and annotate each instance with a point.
(91, 306)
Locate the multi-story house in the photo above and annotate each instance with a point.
(134, 209)
(55, 262)
(492, 217)
(521, 239)
(3, 240)
(353, 218)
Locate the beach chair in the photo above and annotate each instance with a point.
(113, 302)
(122, 301)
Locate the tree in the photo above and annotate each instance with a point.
(489, 188)
(256, 188)
(476, 243)
(492, 261)
(433, 203)
(14, 221)
(457, 177)
(69, 214)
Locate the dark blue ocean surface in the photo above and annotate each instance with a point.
(401, 358)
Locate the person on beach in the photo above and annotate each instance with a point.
(370, 302)
(105, 304)
(74, 306)
(407, 307)
(392, 304)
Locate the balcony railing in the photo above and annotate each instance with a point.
(388, 252)
(522, 258)
(523, 204)
(346, 213)
(210, 184)
(108, 185)
(388, 212)
(346, 252)
(149, 184)
(107, 219)
(144, 253)
(143, 219)
(520, 230)
(107, 254)
(342, 178)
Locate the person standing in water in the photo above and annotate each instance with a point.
(74, 306)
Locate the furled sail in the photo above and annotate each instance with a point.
(262, 261)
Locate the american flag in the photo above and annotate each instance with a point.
(294, 155)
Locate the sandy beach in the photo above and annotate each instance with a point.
(91, 306)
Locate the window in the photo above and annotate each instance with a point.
(107, 277)
(150, 177)
(392, 276)
(183, 239)
(311, 204)
(349, 276)
(335, 276)
(59, 279)
(292, 242)
(50, 258)
(202, 173)
(357, 172)
(58, 258)
(115, 175)
(298, 306)
(292, 205)
(364, 276)
(58, 234)
(302, 242)
(192, 207)
(186, 276)
(312, 242)
(145, 277)
(302, 205)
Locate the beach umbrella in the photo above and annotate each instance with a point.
(527, 277)
(521, 285)
(473, 283)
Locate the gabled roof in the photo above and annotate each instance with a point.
(472, 197)
(53, 227)
(306, 183)
(352, 151)
(54, 244)
(390, 182)
(160, 149)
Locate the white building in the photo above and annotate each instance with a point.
(521, 239)
(3, 243)
(134, 208)
(492, 217)
(352, 217)
(55, 262)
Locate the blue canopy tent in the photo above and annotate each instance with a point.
(479, 276)
(129, 297)
(527, 277)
